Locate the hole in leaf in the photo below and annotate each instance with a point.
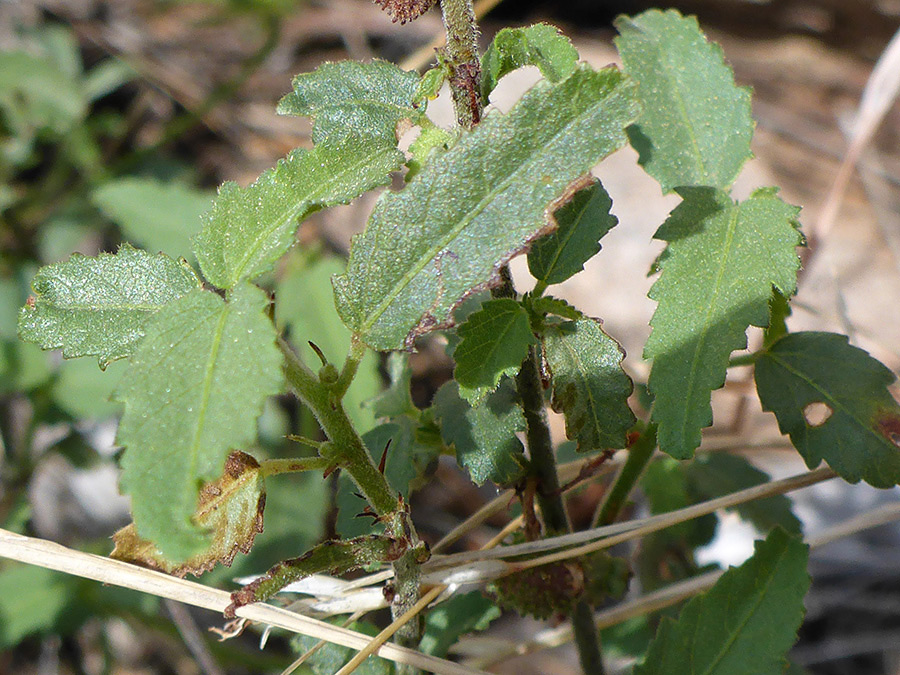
(816, 413)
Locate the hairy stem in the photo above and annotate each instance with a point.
(347, 449)
(462, 60)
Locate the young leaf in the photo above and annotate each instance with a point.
(99, 306)
(364, 99)
(248, 229)
(589, 385)
(718, 272)
(832, 399)
(484, 435)
(582, 222)
(713, 475)
(448, 621)
(231, 507)
(194, 389)
(539, 45)
(743, 625)
(477, 205)
(493, 342)
(158, 216)
(397, 398)
(695, 127)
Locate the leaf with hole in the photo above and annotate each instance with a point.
(100, 306)
(833, 401)
(477, 205)
(695, 126)
(745, 624)
(193, 391)
(718, 270)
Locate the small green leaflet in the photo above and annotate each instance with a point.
(745, 624)
(589, 385)
(328, 658)
(35, 92)
(457, 616)
(354, 97)
(249, 229)
(194, 390)
(34, 600)
(99, 306)
(582, 222)
(696, 126)
(493, 342)
(477, 205)
(718, 271)
(396, 399)
(484, 435)
(156, 215)
(539, 45)
(832, 399)
(406, 458)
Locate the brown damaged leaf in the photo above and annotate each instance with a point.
(405, 10)
(231, 507)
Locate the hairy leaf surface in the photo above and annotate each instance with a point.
(99, 306)
(695, 127)
(493, 342)
(354, 97)
(194, 390)
(539, 45)
(485, 434)
(231, 507)
(476, 206)
(248, 229)
(582, 222)
(745, 624)
(589, 385)
(718, 271)
(832, 399)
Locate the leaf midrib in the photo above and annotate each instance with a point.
(470, 215)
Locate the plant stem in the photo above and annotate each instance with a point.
(639, 455)
(462, 59)
(273, 467)
(350, 452)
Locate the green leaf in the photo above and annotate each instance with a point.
(158, 216)
(39, 92)
(475, 206)
(84, 391)
(33, 600)
(832, 398)
(546, 304)
(99, 306)
(231, 507)
(539, 45)
(248, 229)
(582, 222)
(493, 342)
(461, 614)
(718, 271)
(305, 306)
(329, 658)
(695, 128)
(745, 624)
(406, 458)
(484, 435)
(718, 474)
(194, 390)
(589, 385)
(364, 99)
